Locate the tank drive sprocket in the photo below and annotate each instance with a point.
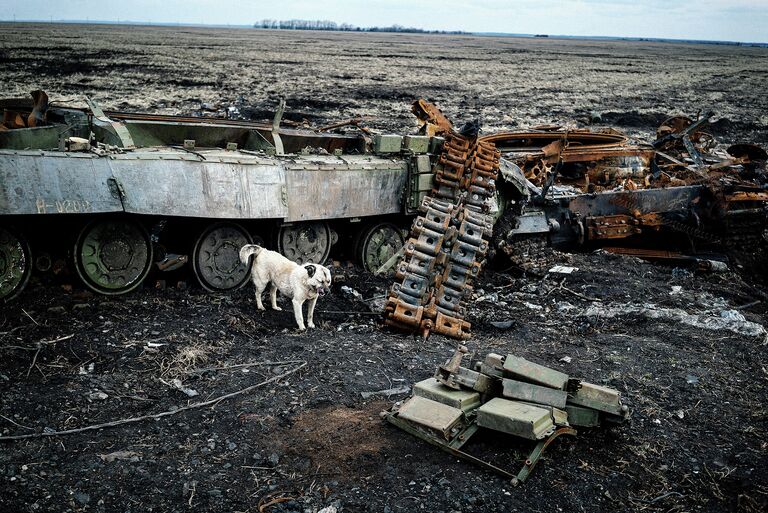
(305, 242)
(377, 244)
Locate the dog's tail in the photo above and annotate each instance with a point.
(247, 251)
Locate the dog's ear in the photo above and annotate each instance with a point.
(310, 269)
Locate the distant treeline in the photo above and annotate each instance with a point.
(343, 27)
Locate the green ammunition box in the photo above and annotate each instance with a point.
(523, 370)
(432, 414)
(515, 418)
(436, 144)
(493, 365)
(598, 398)
(431, 389)
(582, 417)
(559, 417)
(387, 143)
(424, 182)
(421, 164)
(534, 393)
(416, 143)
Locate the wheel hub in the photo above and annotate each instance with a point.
(217, 257)
(227, 257)
(117, 254)
(14, 264)
(380, 243)
(113, 257)
(306, 242)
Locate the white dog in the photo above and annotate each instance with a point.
(299, 282)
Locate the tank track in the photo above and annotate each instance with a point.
(530, 253)
(448, 244)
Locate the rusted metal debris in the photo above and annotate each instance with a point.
(449, 241)
(432, 119)
(585, 189)
(14, 119)
(506, 394)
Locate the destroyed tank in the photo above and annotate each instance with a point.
(677, 199)
(114, 195)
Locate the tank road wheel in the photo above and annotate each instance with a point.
(216, 257)
(305, 242)
(113, 257)
(377, 244)
(15, 264)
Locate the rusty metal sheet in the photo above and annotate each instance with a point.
(648, 200)
(36, 182)
(325, 187)
(528, 142)
(432, 119)
(197, 188)
(747, 196)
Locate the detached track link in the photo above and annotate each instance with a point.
(448, 242)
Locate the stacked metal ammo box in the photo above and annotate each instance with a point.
(507, 394)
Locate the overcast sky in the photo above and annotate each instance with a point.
(733, 20)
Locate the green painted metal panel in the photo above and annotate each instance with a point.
(431, 389)
(598, 398)
(515, 418)
(522, 369)
(533, 393)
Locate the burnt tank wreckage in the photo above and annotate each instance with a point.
(118, 195)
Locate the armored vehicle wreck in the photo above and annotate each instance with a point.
(116, 194)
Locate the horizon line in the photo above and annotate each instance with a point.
(364, 29)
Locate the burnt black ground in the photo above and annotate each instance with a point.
(696, 440)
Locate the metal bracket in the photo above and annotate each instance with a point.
(453, 450)
(116, 188)
(453, 447)
(279, 149)
(390, 263)
(103, 121)
(536, 453)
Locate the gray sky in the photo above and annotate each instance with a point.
(734, 20)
